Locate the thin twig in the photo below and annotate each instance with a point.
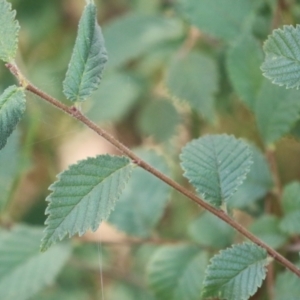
(75, 113)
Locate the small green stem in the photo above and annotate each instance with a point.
(75, 113)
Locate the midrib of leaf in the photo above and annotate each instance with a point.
(84, 197)
(218, 170)
(84, 60)
(8, 98)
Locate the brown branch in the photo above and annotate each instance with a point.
(75, 113)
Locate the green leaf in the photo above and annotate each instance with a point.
(290, 223)
(291, 197)
(216, 165)
(277, 110)
(166, 120)
(210, 231)
(121, 290)
(236, 273)
(88, 58)
(9, 31)
(244, 58)
(84, 195)
(135, 34)
(257, 184)
(12, 107)
(282, 61)
(225, 20)
(24, 270)
(267, 229)
(116, 96)
(177, 272)
(144, 199)
(287, 286)
(9, 159)
(194, 79)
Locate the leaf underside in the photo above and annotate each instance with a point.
(216, 165)
(88, 59)
(84, 195)
(282, 62)
(9, 31)
(236, 273)
(12, 107)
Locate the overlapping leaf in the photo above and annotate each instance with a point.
(132, 35)
(210, 231)
(236, 273)
(177, 272)
(88, 58)
(287, 286)
(8, 167)
(277, 110)
(225, 20)
(216, 165)
(24, 270)
(166, 120)
(84, 195)
(144, 199)
(257, 184)
(111, 103)
(194, 79)
(12, 107)
(244, 58)
(290, 223)
(9, 31)
(282, 62)
(267, 229)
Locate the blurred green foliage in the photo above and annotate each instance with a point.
(177, 69)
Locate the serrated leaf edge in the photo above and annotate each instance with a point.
(274, 80)
(241, 178)
(268, 260)
(44, 247)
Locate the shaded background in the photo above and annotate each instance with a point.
(139, 102)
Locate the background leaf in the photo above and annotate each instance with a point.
(8, 167)
(134, 34)
(287, 286)
(12, 107)
(24, 270)
(225, 20)
(84, 195)
(9, 31)
(88, 58)
(244, 58)
(210, 231)
(144, 199)
(194, 79)
(256, 185)
(282, 60)
(290, 223)
(177, 272)
(277, 110)
(166, 120)
(216, 165)
(116, 96)
(267, 229)
(236, 273)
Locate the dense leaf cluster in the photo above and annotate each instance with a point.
(184, 75)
